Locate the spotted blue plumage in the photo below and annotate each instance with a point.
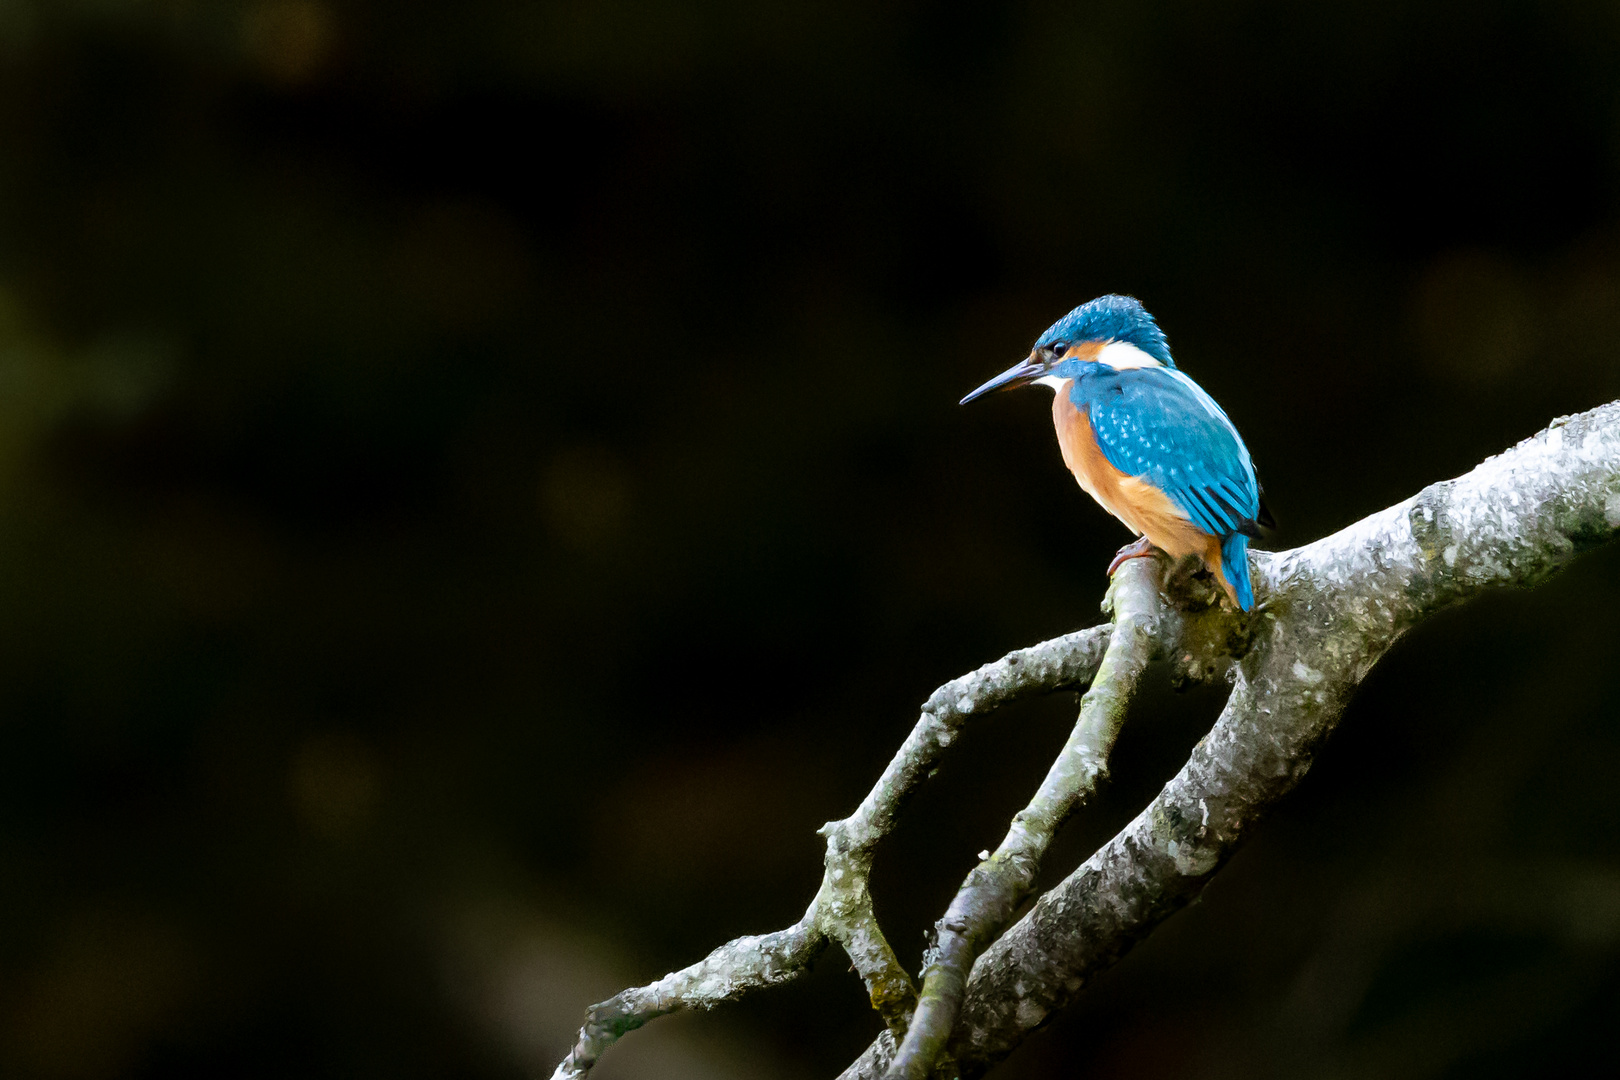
(1158, 424)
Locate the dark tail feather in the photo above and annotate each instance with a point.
(1235, 565)
(1264, 518)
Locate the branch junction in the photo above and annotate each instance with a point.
(1328, 612)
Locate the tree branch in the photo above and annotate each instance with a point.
(1330, 610)
(994, 889)
(842, 907)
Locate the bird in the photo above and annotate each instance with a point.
(1146, 441)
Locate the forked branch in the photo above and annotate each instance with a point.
(1328, 612)
(842, 907)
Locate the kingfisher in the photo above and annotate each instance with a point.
(1146, 441)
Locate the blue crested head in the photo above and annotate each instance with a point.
(1063, 353)
(1111, 318)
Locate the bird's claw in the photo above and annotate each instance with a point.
(1139, 550)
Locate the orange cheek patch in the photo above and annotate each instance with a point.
(1085, 350)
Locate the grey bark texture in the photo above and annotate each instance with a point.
(842, 907)
(1327, 612)
(994, 889)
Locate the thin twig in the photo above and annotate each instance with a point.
(986, 901)
(748, 963)
(842, 907)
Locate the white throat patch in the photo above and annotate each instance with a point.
(1056, 382)
(1123, 356)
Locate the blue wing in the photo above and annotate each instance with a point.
(1158, 424)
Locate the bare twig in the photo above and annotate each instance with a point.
(747, 963)
(994, 889)
(842, 908)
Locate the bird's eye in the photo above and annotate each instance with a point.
(1057, 349)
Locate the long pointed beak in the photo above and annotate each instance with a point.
(1022, 373)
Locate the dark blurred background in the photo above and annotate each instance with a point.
(481, 482)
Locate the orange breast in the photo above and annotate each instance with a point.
(1141, 506)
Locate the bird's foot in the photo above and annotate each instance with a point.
(1139, 550)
